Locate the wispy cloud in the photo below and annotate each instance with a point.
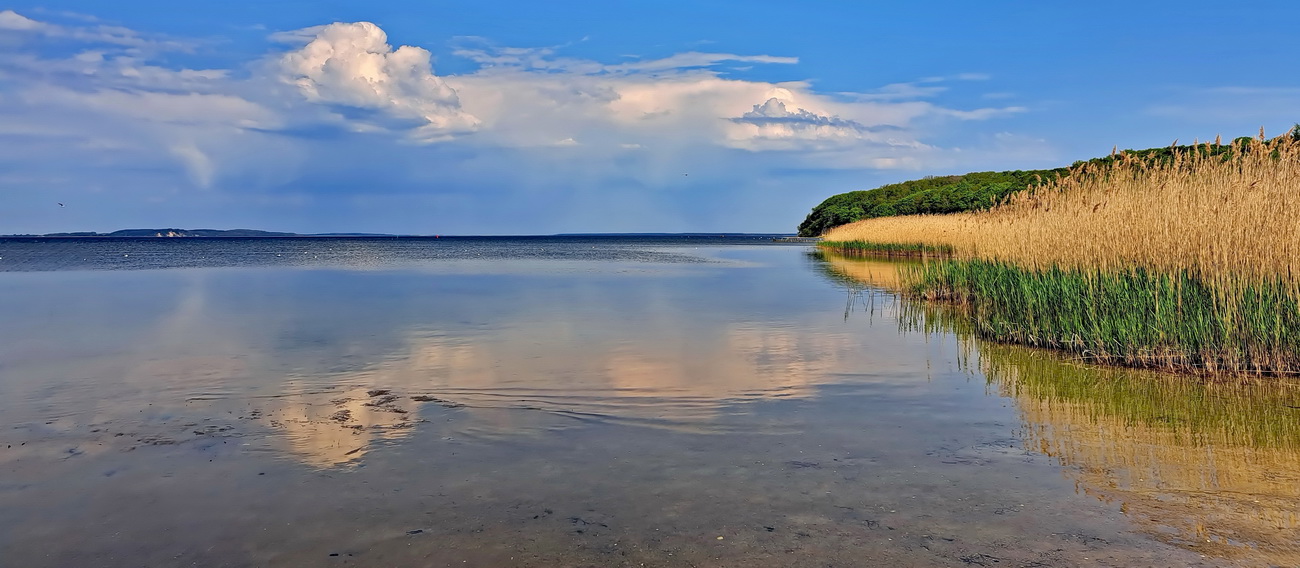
(1255, 91)
(89, 32)
(116, 103)
(1226, 108)
(985, 113)
(696, 60)
(494, 57)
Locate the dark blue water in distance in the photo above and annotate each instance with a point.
(534, 401)
(71, 253)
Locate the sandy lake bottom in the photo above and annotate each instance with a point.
(572, 402)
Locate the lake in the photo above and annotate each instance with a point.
(588, 401)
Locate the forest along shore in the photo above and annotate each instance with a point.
(1186, 260)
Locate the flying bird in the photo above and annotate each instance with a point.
(60, 205)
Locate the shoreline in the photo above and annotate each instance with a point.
(1062, 317)
(1186, 263)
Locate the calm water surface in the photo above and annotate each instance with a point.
(586, 402)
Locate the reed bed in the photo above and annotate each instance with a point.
(1190, 262)
(1223, 218)
(906, 250)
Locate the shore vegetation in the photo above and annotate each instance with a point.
(974, 191)
(1186, 260)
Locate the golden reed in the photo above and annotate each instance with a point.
(1226, 219)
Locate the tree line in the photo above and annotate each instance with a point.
(973, 191)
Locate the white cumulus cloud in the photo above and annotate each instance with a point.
(352, 65)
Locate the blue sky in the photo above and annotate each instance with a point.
(533, 118)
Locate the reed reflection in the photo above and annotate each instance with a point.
(1213, 465)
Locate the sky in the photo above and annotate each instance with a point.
(440, 117)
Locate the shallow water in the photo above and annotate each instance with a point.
(572, 401)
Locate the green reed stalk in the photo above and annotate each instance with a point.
(1135, 316)
(857, 248)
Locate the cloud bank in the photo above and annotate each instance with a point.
(335, 129)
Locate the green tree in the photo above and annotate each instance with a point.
(973, 191)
